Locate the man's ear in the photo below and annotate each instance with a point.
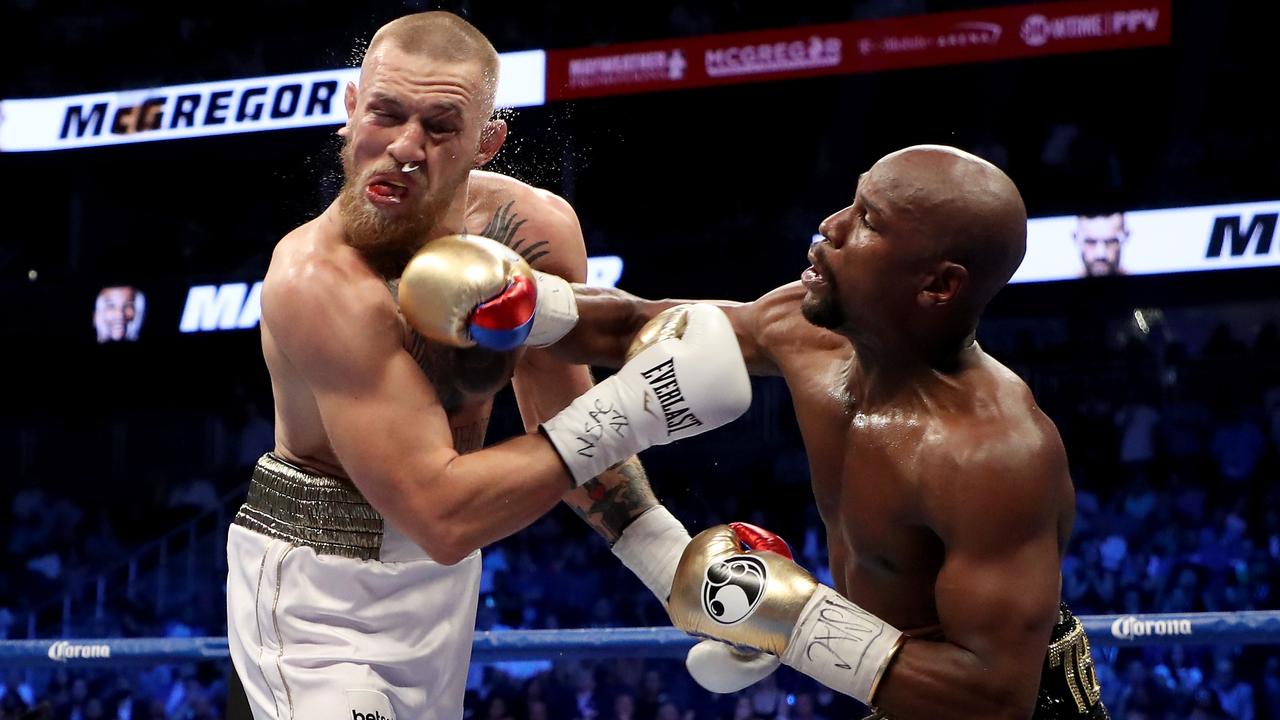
(348, 99)
(492, 136)
(943, 284)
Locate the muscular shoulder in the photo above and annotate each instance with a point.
(490, 189)
(1001, 460)
(536, 223)
(320, 300)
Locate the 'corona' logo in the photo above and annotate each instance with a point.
(1128, 627)
(62, 651)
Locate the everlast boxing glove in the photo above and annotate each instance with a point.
(651, 546)
(683, 385)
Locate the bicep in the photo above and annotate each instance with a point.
(998, 588)
(996, 609)
(383, 419)
(379, 413)
(543, 384)
(1000, 604)
(609, 319)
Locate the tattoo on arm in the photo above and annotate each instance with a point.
(505, 225)
(610, 502)
(470, 437)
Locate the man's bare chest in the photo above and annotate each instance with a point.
(866, 481)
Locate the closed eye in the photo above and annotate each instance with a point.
(443, 121)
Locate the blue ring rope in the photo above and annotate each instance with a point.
(1229, 628)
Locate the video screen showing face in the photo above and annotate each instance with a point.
(118, 314)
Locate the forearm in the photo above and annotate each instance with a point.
(469, 501)
(608, 319)
(489, 494)
(817, 631)
(609, 502)
(942, 680)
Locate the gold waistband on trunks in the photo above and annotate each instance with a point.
(323, 513)
(1072, 655)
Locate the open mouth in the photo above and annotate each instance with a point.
(812, 278)
(386, 192)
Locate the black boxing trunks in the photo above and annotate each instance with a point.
(1069, 687)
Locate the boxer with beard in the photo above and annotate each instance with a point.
(354, 563)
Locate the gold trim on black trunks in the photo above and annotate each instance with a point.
(326, 514)
(1072, 653)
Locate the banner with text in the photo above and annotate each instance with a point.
(534, 77)
(857, 47)
(1150, 242)
(216, 108)
(238, 305)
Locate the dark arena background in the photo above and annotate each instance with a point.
(152, 158)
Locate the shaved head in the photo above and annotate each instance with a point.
(441, 35)
(931, 236)
(967, 211)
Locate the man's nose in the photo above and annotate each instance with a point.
(410, 145)
(834, 227)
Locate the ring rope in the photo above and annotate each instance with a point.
(1225, 628)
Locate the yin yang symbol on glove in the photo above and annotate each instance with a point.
(733, 588)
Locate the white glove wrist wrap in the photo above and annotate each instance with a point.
(841, 645)
(651, 547)
(674, 389)
(596, 431)
(556, 312)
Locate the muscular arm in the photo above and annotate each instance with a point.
(997, 591)
(544, 385)
(341, 333)
(544, 228)
(609, 318)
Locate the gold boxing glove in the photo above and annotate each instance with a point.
(763, 600)
(669, 323)
(464, 290)
(747, 598)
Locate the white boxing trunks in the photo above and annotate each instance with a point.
(333, 614)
